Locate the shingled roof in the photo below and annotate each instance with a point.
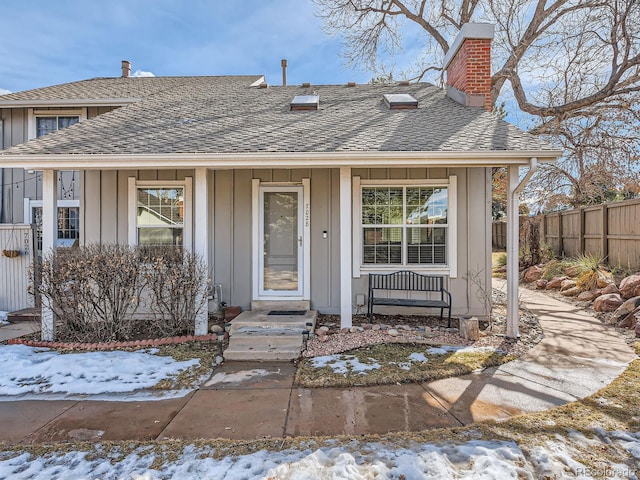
(226, 115)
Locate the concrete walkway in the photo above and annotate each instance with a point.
(577, 357)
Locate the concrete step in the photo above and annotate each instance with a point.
(255, 335)
(243, 352)
(261, 319)
(275, 336)
(280, 305)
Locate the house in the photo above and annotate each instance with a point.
(288, 192)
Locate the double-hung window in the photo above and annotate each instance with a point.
(42, 121)
(160, 214)
(406, 225)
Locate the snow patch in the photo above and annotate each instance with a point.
(28, 370)
(344, 363)
(236, 377)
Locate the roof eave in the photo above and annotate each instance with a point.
(74, 102)
(276, 160)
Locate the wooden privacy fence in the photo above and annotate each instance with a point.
(610, 230)
(15, 270)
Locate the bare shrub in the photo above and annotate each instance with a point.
(176, 289)
(94, 291)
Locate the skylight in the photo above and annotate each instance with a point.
(305, 102)
(400, 101)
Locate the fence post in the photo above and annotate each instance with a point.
(605, 231)
(560, 239)
(580, 231)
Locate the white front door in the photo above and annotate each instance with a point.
(281, 241)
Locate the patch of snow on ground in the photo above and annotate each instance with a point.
(418, 357)
(3, 317)
(489, 460)
(28, 370)
(236, 377)
(344, 363)
(444, 349)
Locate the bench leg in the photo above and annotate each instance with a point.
(449, 319)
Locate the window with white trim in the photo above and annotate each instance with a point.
(68, 215)
(404, 225)
(48, 124)
(160, 216)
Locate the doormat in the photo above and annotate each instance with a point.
(287, 312)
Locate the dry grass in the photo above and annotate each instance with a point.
(192, 377)
(396, 367)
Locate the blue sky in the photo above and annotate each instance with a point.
(49, 42)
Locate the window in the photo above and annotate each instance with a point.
(160, 216)
(42, 121)
(68, 222)
(404, 225)
(46, 125)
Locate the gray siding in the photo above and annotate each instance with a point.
(104, 217)
(15, 272)
(18, 184)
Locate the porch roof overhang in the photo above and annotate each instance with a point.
(371, 159)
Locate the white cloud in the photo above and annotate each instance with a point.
(4, 91)
(142, 73)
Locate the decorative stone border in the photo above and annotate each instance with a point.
(212, 337)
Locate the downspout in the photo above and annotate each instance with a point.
(513, 230)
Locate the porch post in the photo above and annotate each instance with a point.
(201, 240)
(49, 235)
(346, 309)
(513, 260)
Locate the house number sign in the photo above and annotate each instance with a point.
(307, 215)
(27, 242)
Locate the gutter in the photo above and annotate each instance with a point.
(279, 160)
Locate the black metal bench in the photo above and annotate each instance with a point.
(410, 282)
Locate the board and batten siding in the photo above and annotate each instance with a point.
(15, 272)
(19, 183)
(104, 219)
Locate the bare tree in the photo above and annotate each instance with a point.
(567, 65)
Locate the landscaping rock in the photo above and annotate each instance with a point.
(570, 292)
(567, 284)
(367, 326)
(393, 332)
(532, 274)
(555, 283)
(608, 302)
(323, 338)
(219, 359)
(216, 329)
(588, 296)
(344, 330)
(638, 330)
(611, 288)
(541, 284)
(627, 308)
(375, 327)
(630, 286)
(604, 279)
(630, 321)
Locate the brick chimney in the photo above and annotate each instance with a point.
(126, 68)
(468, 66)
